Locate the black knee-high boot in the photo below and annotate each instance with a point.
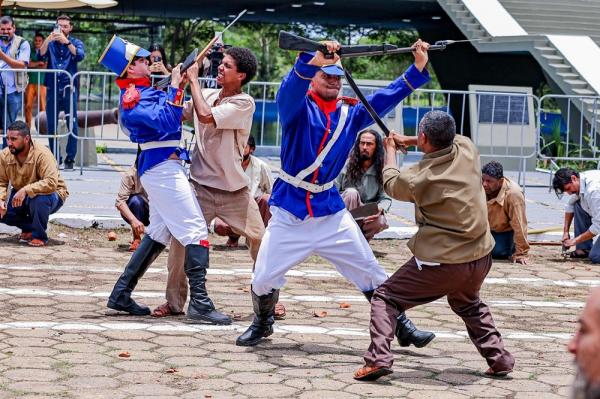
(120, 297)
(264, 317)
(200, 308)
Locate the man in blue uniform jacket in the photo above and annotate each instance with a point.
(153, 120)
(309, 216)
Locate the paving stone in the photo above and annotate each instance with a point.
(32, 375)
(266, 390)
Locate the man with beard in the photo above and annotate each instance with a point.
(585, 345)
(506, 214)
(308, 214)
(38, 190)
(361, 182)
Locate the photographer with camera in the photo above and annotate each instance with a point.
(157, 60)
(14, 54)
(63, 52)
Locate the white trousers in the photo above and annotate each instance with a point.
(288, 241)
(174, 209)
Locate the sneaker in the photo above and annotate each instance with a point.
(25, 237)
(37, 243)
(69, 165)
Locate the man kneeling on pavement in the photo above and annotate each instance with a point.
(506, 214)
(361, 182)
(584, 207)
(132, 203)
(38, 190)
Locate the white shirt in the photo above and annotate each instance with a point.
(259, 173)
(589, 197)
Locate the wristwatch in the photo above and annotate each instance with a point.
(69, 43)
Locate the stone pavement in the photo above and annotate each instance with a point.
(56, 340)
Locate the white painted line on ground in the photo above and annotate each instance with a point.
(305, 272)
(513, 304)
(279, 328)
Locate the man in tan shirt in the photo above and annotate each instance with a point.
(222, 120)
(261, 184)
(38, 190)
(506, 214)
(132, 203)
(451, 248)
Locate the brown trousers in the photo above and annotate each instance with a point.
(460, 283)
(228, 206)
(351, 198)
(31, 92)
(223, 229)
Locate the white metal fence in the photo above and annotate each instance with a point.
(517, 128)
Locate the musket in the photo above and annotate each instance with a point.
(290, 41)
(368, 106)
(195, 56)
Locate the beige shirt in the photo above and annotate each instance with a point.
(261, 180)
(450, 204)
(217, 156)
(38, 174)
(130, 185)
(506, 212)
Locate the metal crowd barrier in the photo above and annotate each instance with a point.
(513, 127)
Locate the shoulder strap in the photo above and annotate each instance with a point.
(336, 135)
(15, 46)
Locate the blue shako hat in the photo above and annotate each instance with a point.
(119, 53)
(331, 69)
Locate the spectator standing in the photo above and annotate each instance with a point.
(14, 54)
(36, 91)
(63, 52)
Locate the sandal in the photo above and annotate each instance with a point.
(279, 311)
(164, 310)
(25, 237)
(36, 243)
(371, 373)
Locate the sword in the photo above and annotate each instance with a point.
(368, 106)
(196, 56)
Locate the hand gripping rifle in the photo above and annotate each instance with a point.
(196, 56)
(290, 41)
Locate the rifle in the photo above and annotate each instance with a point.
(290, 41)
(195, 56)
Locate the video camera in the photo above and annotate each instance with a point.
(215, 56)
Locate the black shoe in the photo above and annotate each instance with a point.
(408, 334)
(264, 317)
(120, 297)
(132, 308)
(200, 308)
(69, 165)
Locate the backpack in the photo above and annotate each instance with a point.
(21, 78)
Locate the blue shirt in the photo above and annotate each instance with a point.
(155, 117)
(60, 57)
(8, 78)
(304, 125)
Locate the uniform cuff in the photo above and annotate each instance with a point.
(175, 96)
(303, 69)
(414, 78)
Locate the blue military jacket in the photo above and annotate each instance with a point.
(150, 115)
(304, 122)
